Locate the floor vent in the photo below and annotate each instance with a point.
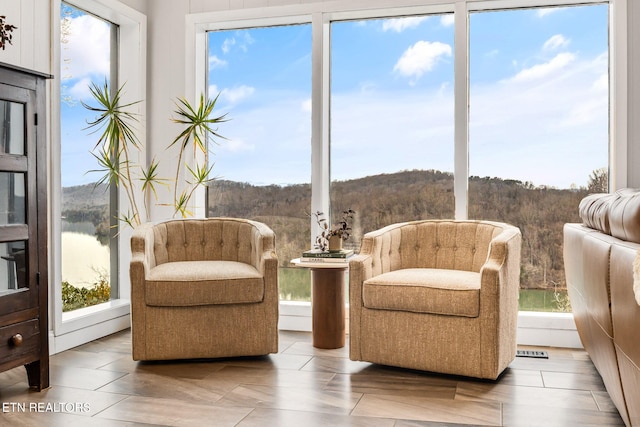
(538, 354)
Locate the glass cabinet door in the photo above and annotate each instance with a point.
(17, 183)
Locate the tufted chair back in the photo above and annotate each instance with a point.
(452, 245)
(223, 239)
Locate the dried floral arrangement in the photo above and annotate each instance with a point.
(5, 32)
(341, 229)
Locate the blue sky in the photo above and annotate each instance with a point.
(538, 97)
(85, 58)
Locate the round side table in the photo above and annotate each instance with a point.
(327, 302)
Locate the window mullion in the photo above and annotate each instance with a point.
(461, 111)
(320, 164)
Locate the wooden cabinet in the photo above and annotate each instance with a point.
(23, 225)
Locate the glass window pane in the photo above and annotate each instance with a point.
(12, 198)
(392, 120)
(86, 209)
(539, 130)
(12, 128)
(263, 168)
(13, 266)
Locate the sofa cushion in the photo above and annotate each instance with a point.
(594, 211)
(190, 283)
(425, 290)
(624, 215)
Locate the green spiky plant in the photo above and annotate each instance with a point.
(197, 131)
(117, 141)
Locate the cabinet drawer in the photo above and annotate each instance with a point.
(19, 340)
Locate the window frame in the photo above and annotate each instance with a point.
(79, 326)
(536, 328)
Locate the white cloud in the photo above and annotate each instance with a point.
(246, 41)
(601, 83)
(241, 40)
(421, 58)
(226, 45)
(539, 71)
(542, 12)
(80, 90)
(86, 52)
(306, 105)
(447, 20)
(237, 145)
(555, 42)
(367, 86)
(551, 131)
(400, 24)
(237, 94)
(215, 62)
(268, 140)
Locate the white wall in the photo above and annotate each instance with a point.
(30, 44)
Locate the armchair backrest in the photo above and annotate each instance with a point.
(224, 239)
(444, 244)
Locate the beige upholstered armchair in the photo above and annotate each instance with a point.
(438, 296)
(203, 288)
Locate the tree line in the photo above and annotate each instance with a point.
(380, 200)
(540, 212)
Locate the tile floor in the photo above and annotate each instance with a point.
(98, 384)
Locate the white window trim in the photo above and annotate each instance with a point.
(535, 328)
(75, 328)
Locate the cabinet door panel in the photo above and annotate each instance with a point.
(18, 223)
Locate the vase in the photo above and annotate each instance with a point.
(335, 244)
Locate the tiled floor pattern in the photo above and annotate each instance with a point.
(98, 384)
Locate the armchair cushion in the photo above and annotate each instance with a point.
(191, 283)
(425, 290)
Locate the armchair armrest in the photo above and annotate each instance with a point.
(264, 258)
(359, 271)
(502, 266)
(499, 293)
(142, 255)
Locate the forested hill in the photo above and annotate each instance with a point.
(380, 200)
(384, 199)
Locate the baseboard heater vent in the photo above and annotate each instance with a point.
(537, 354)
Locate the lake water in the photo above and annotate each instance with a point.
(83, 259)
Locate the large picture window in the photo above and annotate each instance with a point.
(458, 110)
(392, 120)
(88, 54)
(262, 169)
(539, 130)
